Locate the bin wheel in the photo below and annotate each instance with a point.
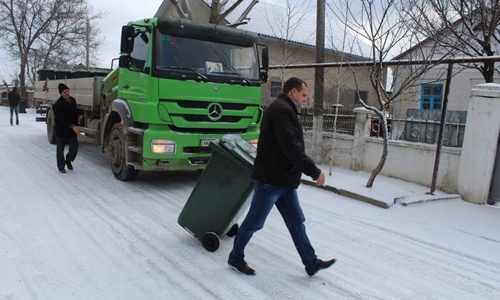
(211, 241)
(233, 230)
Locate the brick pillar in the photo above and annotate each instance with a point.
(480, 143)
(361, 131)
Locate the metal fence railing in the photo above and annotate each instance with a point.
(345, 119)
(422, 126)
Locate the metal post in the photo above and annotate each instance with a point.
(441, 128)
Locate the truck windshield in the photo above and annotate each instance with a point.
(185, 58)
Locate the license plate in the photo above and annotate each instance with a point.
(205, 142)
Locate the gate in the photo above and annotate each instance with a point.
(495, 180)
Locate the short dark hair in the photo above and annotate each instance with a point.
(293, 82)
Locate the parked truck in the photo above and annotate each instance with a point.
(178, 86)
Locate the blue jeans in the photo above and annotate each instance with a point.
(12, 110)
(265, 196)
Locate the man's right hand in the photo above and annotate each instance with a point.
(321, 179)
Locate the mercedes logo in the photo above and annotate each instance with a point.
(214, 111)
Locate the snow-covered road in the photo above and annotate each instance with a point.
(86, 235)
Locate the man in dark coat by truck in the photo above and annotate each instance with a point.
(66, 128)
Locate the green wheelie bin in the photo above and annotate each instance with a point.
(222, 193)
(22, 106)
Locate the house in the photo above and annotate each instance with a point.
(428, 91)
(298, 48)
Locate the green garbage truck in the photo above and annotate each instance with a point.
(178, 86)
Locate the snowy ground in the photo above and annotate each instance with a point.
(85, 235)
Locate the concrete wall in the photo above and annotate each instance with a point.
(408, 161)
(480, 143)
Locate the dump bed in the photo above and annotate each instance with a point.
(86, 91)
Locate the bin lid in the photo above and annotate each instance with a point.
(240, 147)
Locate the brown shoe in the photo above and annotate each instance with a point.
(319, 265)
(241, 266)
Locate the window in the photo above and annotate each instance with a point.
(139, 54)
(363, 95)
(275, 88)
(432, 96)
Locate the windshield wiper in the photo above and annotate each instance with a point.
(200, 76)
(245, 81)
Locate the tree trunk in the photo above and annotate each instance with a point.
(385, 150)
(22, 76)
(488, 71)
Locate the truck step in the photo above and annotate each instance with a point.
(136, 130)
(136, 165)
(136, 149)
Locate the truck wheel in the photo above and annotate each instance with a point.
(117, 155)
(51, 136)
(211, 241)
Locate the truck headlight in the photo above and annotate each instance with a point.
(163, 146)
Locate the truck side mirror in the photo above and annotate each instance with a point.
(265, 64)
(124, 61)
(127, 42)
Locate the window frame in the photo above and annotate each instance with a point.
(430, 101)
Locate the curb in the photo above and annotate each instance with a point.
(348, 194)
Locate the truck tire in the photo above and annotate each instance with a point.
(51, 136)
(117, 154)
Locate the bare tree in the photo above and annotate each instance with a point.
(45, 33)
(219, 10)
(386, 27)
(284, 22)
(463, 27)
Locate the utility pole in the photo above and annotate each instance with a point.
(319, 83)
(87, 60)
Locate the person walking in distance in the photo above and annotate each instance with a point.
(66, 128)
(14, 99)
(278, 166)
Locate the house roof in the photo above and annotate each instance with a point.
(268, 20)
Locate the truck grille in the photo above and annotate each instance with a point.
(195, 115)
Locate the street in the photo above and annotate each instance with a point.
(86, 235)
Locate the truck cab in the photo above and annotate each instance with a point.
(179, 86)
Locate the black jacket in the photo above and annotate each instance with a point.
(281, 157)
(66, 116)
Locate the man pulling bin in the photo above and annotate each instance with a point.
(278, 166)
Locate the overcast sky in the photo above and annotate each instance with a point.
(118, 13)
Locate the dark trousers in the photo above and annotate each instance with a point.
(61, 142)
